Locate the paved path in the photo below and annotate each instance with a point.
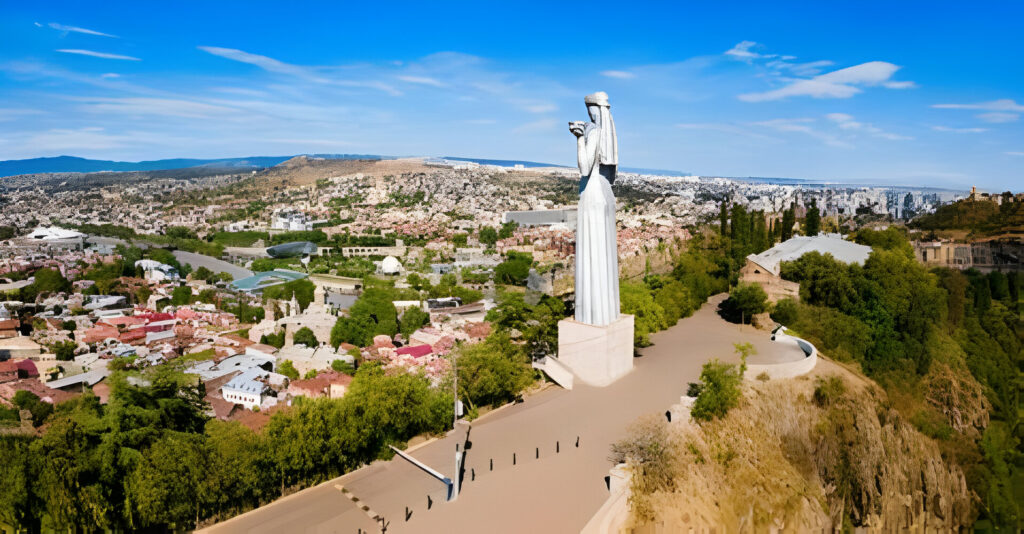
(559, 492)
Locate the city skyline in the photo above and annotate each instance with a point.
(916, 96)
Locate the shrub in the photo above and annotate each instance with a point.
(719, 391)
(287, 368)
(828, 390)
(785, 312)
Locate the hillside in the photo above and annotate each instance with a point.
(816, 453)
(980, 217)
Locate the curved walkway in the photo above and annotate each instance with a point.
(557, 492)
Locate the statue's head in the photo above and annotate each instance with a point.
(594, 104)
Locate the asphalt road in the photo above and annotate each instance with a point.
(557, 492)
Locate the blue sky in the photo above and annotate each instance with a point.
(927, 93)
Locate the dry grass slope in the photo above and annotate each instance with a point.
(787, 460)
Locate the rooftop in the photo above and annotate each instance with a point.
(262, 280)
(791, 249)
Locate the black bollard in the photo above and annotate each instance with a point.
(537, 454)
(492, 464)
(513, 458)
(472, 472)
(430, 502)
(577, 442)
(408, 514)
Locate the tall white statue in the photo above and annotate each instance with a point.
(597, 263)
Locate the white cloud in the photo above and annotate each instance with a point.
(620, 74)
(842, 83)
(998, 117)
(109, 75)
(958, 130)
(1004, 104)
(311, 74)
(422, 80)
(266, 63)
(76, 29)
(93, 53)
(847, 122)
(803, 125)
(166, 107)
(742, 51)
(1015, 153)
(811, 68)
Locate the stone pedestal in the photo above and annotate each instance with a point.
(597, 355)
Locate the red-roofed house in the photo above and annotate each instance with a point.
(417, 351)
(99, 333)
(329, 384)
(9, 328)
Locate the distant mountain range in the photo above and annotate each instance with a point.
(74, 164)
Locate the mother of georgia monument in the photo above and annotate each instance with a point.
(597, 261)
(597, 345)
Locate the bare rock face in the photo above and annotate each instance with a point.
(790, 460)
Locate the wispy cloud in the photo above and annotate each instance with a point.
(998, 117)
(264, 62)
(1015, 153)
(847, 122)
(422, 80)
(1004, 104)
(311, 74)
(620, 74)
(76, 29)
(742, 51)
(842, 83)
(998, 111)
(140, 106)
(94, 53)
(958, 130)
(803, 125)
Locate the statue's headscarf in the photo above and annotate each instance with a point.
(608, 149)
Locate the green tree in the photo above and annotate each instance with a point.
(507, 230)
(492, 372)
(788, 220)
(181, 296)
(287, 368)
(64, 350)
(163, 487)
(515, 269)
(305, 336)
(488, 236)
(412, 319)
(745, 301)
(812, 222)
(649, 317)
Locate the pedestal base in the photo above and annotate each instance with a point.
(597, 355)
